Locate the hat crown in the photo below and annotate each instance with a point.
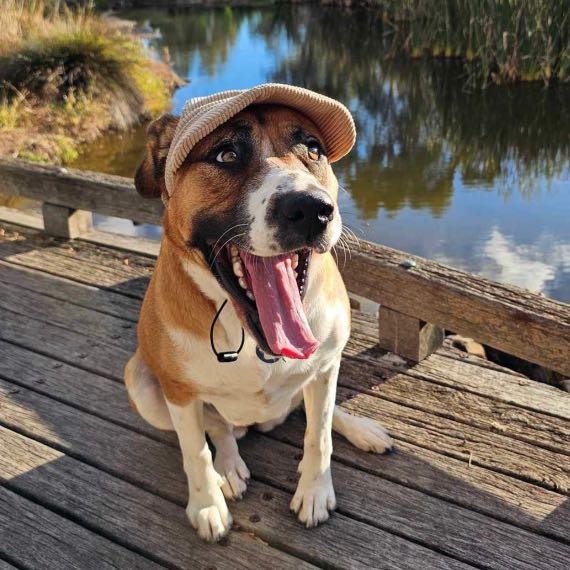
(202, 115)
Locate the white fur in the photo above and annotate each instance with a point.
(262, 238)
(207, 509)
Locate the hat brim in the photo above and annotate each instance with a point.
(203, 115)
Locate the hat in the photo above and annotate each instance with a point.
(202, 115)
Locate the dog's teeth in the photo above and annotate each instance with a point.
(242, 283)
(238, 269)
(234, 251)
(294, 260)
(250, 295)
(296, 274)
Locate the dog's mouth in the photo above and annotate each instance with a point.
(268, 294)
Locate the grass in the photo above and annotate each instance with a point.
(72, 74)
(500, 41)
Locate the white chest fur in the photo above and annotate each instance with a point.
(249, 390)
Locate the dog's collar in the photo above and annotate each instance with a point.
(232, 356)
(264, 358)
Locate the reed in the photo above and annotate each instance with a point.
(500, 41)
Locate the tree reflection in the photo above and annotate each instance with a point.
(417, 123)
(418, 127)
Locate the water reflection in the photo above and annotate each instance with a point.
(437, 170)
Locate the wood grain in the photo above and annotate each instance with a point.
(343, 543)
(92, 354)
(123, 512)
(506, 317)
(535, 428)
(92, 191)
(100, 300)
(34, 537)
(407, 336)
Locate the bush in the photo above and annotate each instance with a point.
(51, 53)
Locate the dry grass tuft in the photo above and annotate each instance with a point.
(75, 71)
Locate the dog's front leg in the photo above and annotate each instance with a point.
(315, 497)
(207, 509)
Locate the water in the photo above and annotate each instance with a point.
(479, 181)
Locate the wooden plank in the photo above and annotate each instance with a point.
(22, 218)
(92, 191)
(101, 268)
(495, 494)
(474, 445)
(508, 318)
(102, 300)
(535, 428)
(453, 532)
(495, 384)
(342, 543)
(407, 336)
(447, 528)
(123, 512)
(65, 222)
(451, 352)
(84, 390)
(130, 244)
(106, 399)
(34, 537)
(68, 346)
(107, 328)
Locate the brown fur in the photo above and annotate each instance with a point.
(173, 300)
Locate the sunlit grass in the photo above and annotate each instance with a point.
(74, 68)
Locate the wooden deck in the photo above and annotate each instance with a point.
(480, 477)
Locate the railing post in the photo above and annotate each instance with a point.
(62, 221)
(407, 336)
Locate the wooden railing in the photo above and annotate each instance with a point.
(419, 298)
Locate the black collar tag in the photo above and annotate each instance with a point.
(266, 359)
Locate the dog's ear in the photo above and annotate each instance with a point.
(149, 177)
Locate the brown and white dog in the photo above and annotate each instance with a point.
(252, 220)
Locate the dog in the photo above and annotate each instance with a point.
(246, 314)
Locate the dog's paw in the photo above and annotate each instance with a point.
(314, 499)
(234, 472)
(368, 435)
(211, 518)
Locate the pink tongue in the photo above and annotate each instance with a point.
(280, 307)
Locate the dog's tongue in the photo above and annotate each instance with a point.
(280, 307)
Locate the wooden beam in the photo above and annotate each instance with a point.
(407, 336)
(502, 316)
(62, 221)
(91, 191)
(511, 319)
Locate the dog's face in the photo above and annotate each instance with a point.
(256, 197)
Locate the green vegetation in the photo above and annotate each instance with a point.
(67, 75)
(501, 41)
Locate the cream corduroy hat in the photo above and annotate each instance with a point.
(202, 115)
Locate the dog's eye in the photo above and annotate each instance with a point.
(227, 156)
(315, 151)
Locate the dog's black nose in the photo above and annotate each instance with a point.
(306, 214)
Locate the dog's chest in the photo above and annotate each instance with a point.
(253, 390)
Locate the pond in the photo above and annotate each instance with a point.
(477, 180)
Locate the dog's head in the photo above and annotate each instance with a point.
(257, 198)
